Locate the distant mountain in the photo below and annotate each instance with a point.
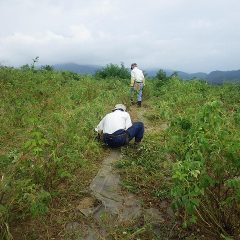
(188, 76)
(183, 75)
(73, 67)
(217, 77)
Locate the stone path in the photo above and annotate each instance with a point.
(106, 188)
(118, 207)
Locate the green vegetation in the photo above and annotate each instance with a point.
(195, 162)
(48, 147)
(189, 157)
(113, 71)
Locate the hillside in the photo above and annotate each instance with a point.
(218, 77)
(184, 174)
(76, 68)
(214, 77)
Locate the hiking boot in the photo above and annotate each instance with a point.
(139, 103)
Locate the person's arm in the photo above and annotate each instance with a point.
(99, 127)
(128, 121)
(132, 82)
(132, 78)
(143, 79)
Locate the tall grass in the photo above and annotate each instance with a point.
(199, 151)
(47, 137)
(48, 147)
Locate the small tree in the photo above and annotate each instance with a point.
(161, 75)
(47, 68)
(113, 70)
(161, 78)
(25, 67)
(174, 74)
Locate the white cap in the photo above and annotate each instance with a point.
(120, 106)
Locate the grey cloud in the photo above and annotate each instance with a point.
(181, 34)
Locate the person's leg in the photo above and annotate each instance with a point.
(131, 94)
(136, 131)
(139, 95)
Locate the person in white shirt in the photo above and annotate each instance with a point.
(137, 83)
(117, 128)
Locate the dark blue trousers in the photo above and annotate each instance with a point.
(122, 137)
(136, 131)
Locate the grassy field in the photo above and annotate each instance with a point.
(189, 159)
(48, 149)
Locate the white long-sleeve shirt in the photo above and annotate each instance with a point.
(114, 121)
(137, 76)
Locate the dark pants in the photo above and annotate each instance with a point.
(122, 137)
(136, 131)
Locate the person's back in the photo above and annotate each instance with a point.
(137, 75)
(137, 83)
(116, 120)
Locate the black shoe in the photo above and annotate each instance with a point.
(139, 103)
(137, 141)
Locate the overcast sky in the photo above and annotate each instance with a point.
(187, 35)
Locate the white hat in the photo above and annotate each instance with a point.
(120, 106)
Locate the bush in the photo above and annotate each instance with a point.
(159, 80)
(204, 140)
(47, 68)
(113, 70)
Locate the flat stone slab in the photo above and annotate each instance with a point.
(108, 201)
(106, 188)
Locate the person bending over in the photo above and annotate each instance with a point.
(116, 128)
